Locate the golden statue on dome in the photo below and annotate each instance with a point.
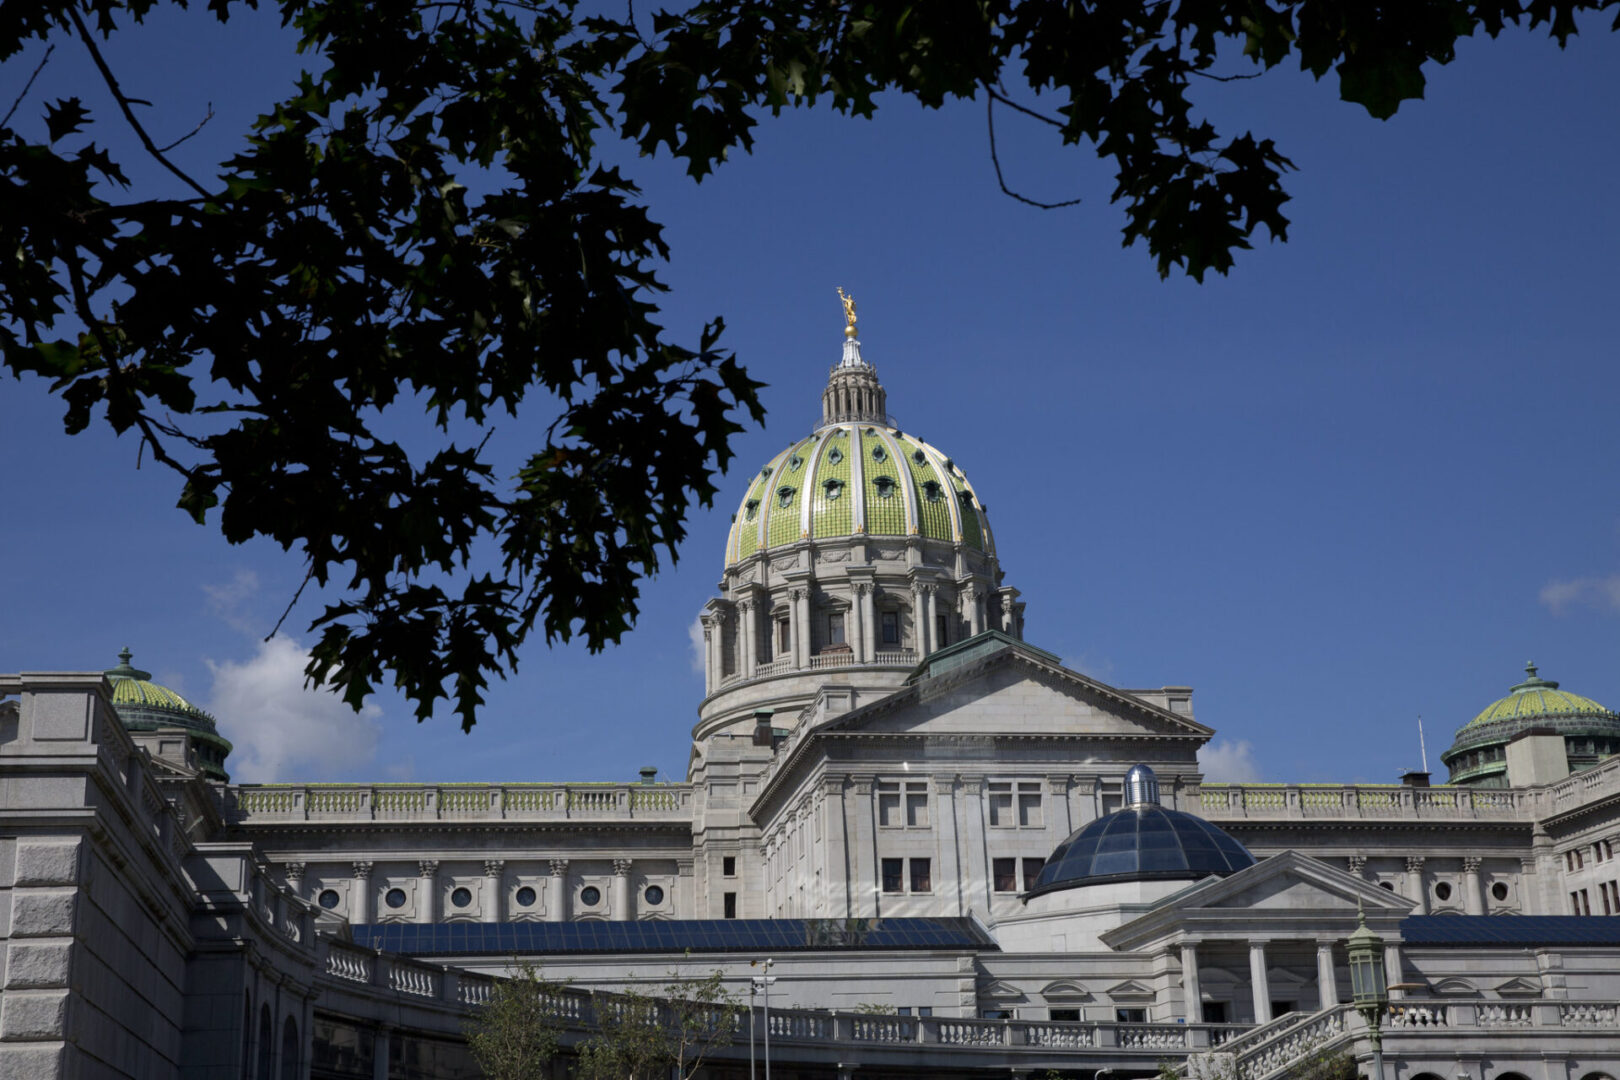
(849, 312)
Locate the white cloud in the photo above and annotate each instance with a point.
(694, 633)
(1227, 761)
(278, 728)
(230, 600)
(1602, 593)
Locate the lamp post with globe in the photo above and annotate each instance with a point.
(1369, 988)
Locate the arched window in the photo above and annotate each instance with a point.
(267, 1044)
(289, 1050)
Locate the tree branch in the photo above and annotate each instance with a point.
(129, 113)
(28, 85)
(995, 159)
(1011, 104)
(200, 125)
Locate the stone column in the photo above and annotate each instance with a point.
(863, 865)
(619, 898)
(800, 627)
(1529, 897)
(1392, 969)
(380, 1063)
(360, 894)
(557, 892)
(295, 879)
(874, 632)
(977, 612)
(931, 613)
(748, 647)
(857, 632)
(1473, 889)
(1327, 978)
(975, 867)
(1192, 1002)
(1414, 883)
(494, 869)
(950, 846)
(427, 907)
(711, 655)
(921, 631)
(1261, 985)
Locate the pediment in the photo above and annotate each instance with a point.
(1292, 882)
(1001, 991)
(1130, 988)
(1519, 986)
(1011, 693)
(1065, 990)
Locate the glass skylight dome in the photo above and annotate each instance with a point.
(1141, 842)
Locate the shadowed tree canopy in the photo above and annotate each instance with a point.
(426, 221)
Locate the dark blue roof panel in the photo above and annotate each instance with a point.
(672, 935)
(1464, 931)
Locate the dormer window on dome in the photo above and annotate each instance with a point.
(750, 509)
(919, 457)
(834, 489)
(883, 486)
(784, 496)
(932, 491)
(834, 456)
(879, 454)
(795, 463)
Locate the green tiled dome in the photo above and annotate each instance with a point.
(1535, 699)
(853, 479)
(144, 705)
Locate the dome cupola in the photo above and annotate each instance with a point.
(1478, 755)
(144, 705)
(1142, 841)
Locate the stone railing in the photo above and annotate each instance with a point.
(1270, 802)
(251, 803)
(1582, 788)
(1314, 1034)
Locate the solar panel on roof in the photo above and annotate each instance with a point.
(1522, 931)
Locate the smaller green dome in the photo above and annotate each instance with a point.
(1537, 698)
(144, 705)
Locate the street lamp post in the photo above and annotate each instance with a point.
(762, 984)
(752, 992)
(1369, 988)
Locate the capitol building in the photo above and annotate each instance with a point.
(964, 858)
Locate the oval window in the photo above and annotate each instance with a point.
(654, 895)
(879, 454)
(590, 896)
(1500, 890)
(394, 898)
(1442, 891)
(328, 899)
(525, 897)
(834, 456)
(461, 897)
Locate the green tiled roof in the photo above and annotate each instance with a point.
(1536, 698)
(888, 483)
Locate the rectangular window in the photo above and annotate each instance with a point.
(921, 878)
(1214, 1012)
(917, 805)
(1586, 903)
(728, 866)
(995, 1014)
(1005, 873)
(731, 905)
(891, 627)
(1032, 870)
(1130, 1016)
(1575, 903)
(1603, 892)
(784, 640)
(1281, 1008)
(894, 875)
(1597, 851)
(1110, 803)
(942, 631)
(904, 1010)
(835, 628)
(1064, 1015)
(888, 794)
(1001, 805)
(925, 1010)
(1029, 804)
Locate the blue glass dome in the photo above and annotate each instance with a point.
(1142, 842)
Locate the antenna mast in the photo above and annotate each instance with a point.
(1423, 750)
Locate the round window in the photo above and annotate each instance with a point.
(1442, 891)
(919, 457)
(654, 895)
(879, 454)
(328, 899)
(394, 898)
(461, 897)
(834, 456)
(525, 897)
(1500, 890)
(1386, 885)
(590, 896)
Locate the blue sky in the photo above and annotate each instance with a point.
(1363, 479)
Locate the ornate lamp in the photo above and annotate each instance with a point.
(1369, 988)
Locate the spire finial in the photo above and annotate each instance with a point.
(1530, 669)
(849, 312)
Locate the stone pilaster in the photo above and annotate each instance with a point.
(494, 899)
(557, 892)
(360, 893)
(427, 900)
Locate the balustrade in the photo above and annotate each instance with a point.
(460, 802)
